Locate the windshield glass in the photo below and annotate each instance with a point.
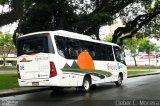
(33, 45)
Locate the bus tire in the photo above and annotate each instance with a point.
(120, 79)
(86, 84)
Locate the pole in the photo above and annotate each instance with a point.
(149, 57)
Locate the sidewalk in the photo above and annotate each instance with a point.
(24, 90)
(8, 72)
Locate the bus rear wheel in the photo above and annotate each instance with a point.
(120, 79)
(86, 84)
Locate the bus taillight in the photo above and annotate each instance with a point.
(19, 76)
(53, 71)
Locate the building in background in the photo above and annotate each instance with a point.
(11, 60)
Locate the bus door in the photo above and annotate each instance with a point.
(108, 58)
(119, 60)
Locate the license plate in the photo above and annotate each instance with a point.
(35, 83)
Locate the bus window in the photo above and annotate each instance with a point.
(68, 48)
(89, 47)
(33, 45)
(92, 51)
(107, 53)
(73, 47)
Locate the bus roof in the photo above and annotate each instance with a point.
(70, 35)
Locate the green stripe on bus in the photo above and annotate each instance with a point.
(99, 73)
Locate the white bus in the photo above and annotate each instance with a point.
(64, 59)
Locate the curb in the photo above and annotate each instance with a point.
(22, 91)
(138, 75)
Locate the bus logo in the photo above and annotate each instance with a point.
(25, 60)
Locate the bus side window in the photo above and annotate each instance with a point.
(59, 44)
(72, 48)
(92, 51)
(107, 53)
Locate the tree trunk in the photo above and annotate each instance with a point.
(135, 60)
(149, 61)
(4, 60)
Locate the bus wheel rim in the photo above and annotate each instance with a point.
(86, 85)
(119, 80)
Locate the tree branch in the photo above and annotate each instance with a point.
(12, 16)
(133, 26)
(145, 20)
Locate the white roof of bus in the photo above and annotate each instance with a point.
(70, 35)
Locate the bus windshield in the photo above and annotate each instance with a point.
(33, 45)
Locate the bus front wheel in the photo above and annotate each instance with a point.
(120, 79)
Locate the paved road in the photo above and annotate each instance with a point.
(138, 88)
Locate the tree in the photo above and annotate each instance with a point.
(6, 46)
(146, 46)
(71, 15)
(58, 14)
(77, 16)
(133, 45)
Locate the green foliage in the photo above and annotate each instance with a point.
(6, 45)
(2, 2)
(6, 40)
(153, 26)
(70, 15)
(140, 44)
(151, 5)
(47, 15)
(76, 16)
(132, 44)
(146, 46)
(108, 38)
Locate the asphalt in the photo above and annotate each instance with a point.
(25, 90)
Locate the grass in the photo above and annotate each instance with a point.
(143, 67)
(138, 72)
(8, 81)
